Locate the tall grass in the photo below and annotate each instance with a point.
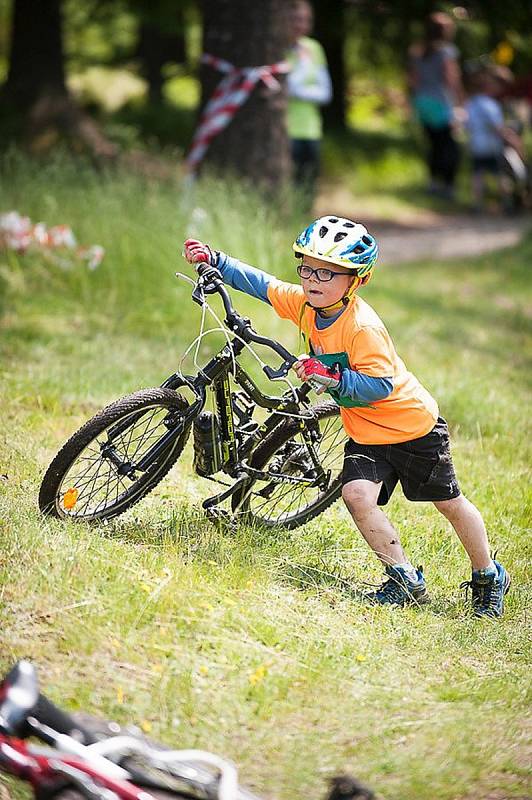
(254, 644)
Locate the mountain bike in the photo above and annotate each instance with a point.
(87, 757)
(282, 471)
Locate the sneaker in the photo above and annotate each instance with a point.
(399, 590)
(488, 590)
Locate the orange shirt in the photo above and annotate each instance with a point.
(408, 412)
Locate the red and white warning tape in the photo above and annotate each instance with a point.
(231, 93)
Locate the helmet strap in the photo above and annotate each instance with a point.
(345, 300)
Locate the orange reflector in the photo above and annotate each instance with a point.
(70, 498)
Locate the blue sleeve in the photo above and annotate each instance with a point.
(246, 279)
(357, 386)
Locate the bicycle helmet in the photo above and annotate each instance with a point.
(339, 241)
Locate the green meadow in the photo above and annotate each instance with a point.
(253, 643)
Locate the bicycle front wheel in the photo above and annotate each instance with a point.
(286, 504)
(96, 474)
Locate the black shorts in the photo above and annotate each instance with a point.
(423, 466)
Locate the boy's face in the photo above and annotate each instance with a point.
(325, 293)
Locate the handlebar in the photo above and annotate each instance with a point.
(210, 282)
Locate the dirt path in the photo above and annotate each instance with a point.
(447, 237)
(423, 234)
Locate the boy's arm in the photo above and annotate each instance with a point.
(286, 298)
(367, 388)
(244, 277)
(350, 384)
(372, 359)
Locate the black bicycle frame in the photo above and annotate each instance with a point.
(217, 374)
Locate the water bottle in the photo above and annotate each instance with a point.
(207, 444)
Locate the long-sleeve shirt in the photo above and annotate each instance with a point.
(309, 86)
(380, 401)
(255, 282)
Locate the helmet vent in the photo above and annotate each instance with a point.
(367, 240)
(339, 236)
(333, 219)
(349, 224)
(359, 249)
(323, 231)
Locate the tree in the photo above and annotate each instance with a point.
(36, 60)
(35, 89)
(330, 30)
(161, 39)
(255, 143)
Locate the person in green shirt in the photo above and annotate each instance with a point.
(309, 87)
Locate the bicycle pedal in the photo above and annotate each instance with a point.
(220, 517)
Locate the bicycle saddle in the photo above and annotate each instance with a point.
(19, 693)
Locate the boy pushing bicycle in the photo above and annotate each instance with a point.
(394, 428)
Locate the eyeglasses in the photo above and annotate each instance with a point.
(323, 275)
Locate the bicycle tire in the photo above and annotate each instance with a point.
(133, 405)
(266, 450)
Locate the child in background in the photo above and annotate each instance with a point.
(394, 428)
(488, 136)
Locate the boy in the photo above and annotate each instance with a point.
(392, 421)
(488, 136)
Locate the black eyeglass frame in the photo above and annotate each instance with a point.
(316, 271)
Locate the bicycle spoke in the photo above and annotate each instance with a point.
(95, 477)
(288, 501)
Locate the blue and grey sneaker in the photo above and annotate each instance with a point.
(488, 588)
(399, 590)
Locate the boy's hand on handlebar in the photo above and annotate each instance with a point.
(196, 252)
(317, 374)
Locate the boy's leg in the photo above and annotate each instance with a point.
(478, 190)
(489, 580)
(469, 525)
(404, 584)
(360, 497)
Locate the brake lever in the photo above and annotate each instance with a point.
(198, 293)
(282, 372)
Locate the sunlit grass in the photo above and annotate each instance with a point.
(252, 643)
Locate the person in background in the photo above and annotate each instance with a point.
(435, 84)
(490, 140)
(309, 87)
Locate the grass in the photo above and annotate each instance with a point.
(252, 644)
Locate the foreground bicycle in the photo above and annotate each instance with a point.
(86, 757)
(90, 758)
(285, 470)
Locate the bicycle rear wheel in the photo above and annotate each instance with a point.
(285, 452)
(94, 475)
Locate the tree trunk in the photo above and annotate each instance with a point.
(36, 91)
(36, 61)
(161, 40)
(329, 27)
(255, 143)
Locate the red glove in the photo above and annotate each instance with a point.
(196, 252)
(317, 374)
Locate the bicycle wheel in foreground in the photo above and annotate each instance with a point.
(285, 451)
(94, 475)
